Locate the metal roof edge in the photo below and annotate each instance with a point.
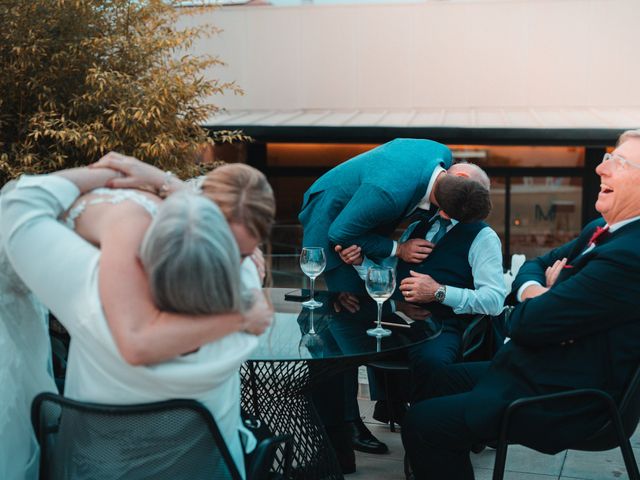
(596, 137)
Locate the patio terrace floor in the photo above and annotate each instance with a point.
(522, 463)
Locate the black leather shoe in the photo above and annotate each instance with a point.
(340, 439)
(382, 411)
(363, 440)
(478, 447)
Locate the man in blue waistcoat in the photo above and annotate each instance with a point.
(363, 200)
(576, 326)
(463, 272)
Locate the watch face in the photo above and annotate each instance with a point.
(440, 295)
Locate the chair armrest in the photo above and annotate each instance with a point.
(604, 397)
(476, 328)
(264, 455)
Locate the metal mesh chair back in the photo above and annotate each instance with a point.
(175, 439)
(629, 410)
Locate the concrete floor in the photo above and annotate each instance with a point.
(522, 463)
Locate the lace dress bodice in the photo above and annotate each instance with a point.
(108, 195)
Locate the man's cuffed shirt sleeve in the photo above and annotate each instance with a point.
(524, 286)
(487, 297)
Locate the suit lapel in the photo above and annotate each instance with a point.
(577, 260)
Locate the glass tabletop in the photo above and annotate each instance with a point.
(339, 328)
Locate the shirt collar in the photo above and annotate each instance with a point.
(425, 204)
(453, 221)
(617, 225)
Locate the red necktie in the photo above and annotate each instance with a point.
(598, 235)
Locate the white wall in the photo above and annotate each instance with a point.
(446, 53)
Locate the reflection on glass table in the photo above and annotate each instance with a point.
(304, 347)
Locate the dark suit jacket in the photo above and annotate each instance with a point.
(362, 200)
(583, 333)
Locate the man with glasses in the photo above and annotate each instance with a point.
(576, 325)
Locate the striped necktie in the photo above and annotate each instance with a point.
(423, 227)
(442, 231)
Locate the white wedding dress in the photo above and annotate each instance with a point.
(25, 371)
(25, 352)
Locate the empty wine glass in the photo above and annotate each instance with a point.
(312, 263)
(380, 283)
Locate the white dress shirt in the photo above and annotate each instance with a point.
(62, 270)
(425, 203)
(485, 258)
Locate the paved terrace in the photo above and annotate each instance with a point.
(522, 463)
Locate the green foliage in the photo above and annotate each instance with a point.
(83, 77)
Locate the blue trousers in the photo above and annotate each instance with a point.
(424, 360)
(435, 434)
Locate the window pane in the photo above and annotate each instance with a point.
(496, 217)
(523, 156)
(545, 212)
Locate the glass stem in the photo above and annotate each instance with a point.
(312, 330)
(379, 314)
(313, 281)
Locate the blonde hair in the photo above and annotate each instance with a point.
(244, 196)
(627, 135)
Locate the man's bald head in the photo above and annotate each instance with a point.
(471, 171)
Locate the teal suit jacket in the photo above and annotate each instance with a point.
(362, 200)
(583, 333)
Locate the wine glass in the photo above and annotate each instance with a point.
(380, 283)
(311, 341)
(312, 263)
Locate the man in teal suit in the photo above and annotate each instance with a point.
(362, 201)
(576, 326)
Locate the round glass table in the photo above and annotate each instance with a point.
(304, 347)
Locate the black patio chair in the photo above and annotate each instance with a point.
(473, 338)
(174, 439)
(623, 420)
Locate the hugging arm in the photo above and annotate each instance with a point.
(143, 333)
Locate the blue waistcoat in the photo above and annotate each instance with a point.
(448, 263)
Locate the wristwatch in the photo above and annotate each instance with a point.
(441, 293)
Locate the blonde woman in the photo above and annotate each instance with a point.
(246, 200)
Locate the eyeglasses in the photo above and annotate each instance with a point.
(618, 160)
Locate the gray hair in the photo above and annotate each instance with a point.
(627, 135)
(474, 171)
(191, 258)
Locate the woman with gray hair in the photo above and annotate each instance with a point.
(192, 261)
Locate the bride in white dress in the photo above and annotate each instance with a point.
(25, 349)
(25, 371)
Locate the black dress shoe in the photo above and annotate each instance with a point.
(340, 439)
(363, 440)
(478, 447)
(382, 411)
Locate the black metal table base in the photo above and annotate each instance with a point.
(279, 394)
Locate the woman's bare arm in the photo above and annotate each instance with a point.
(143, 333)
